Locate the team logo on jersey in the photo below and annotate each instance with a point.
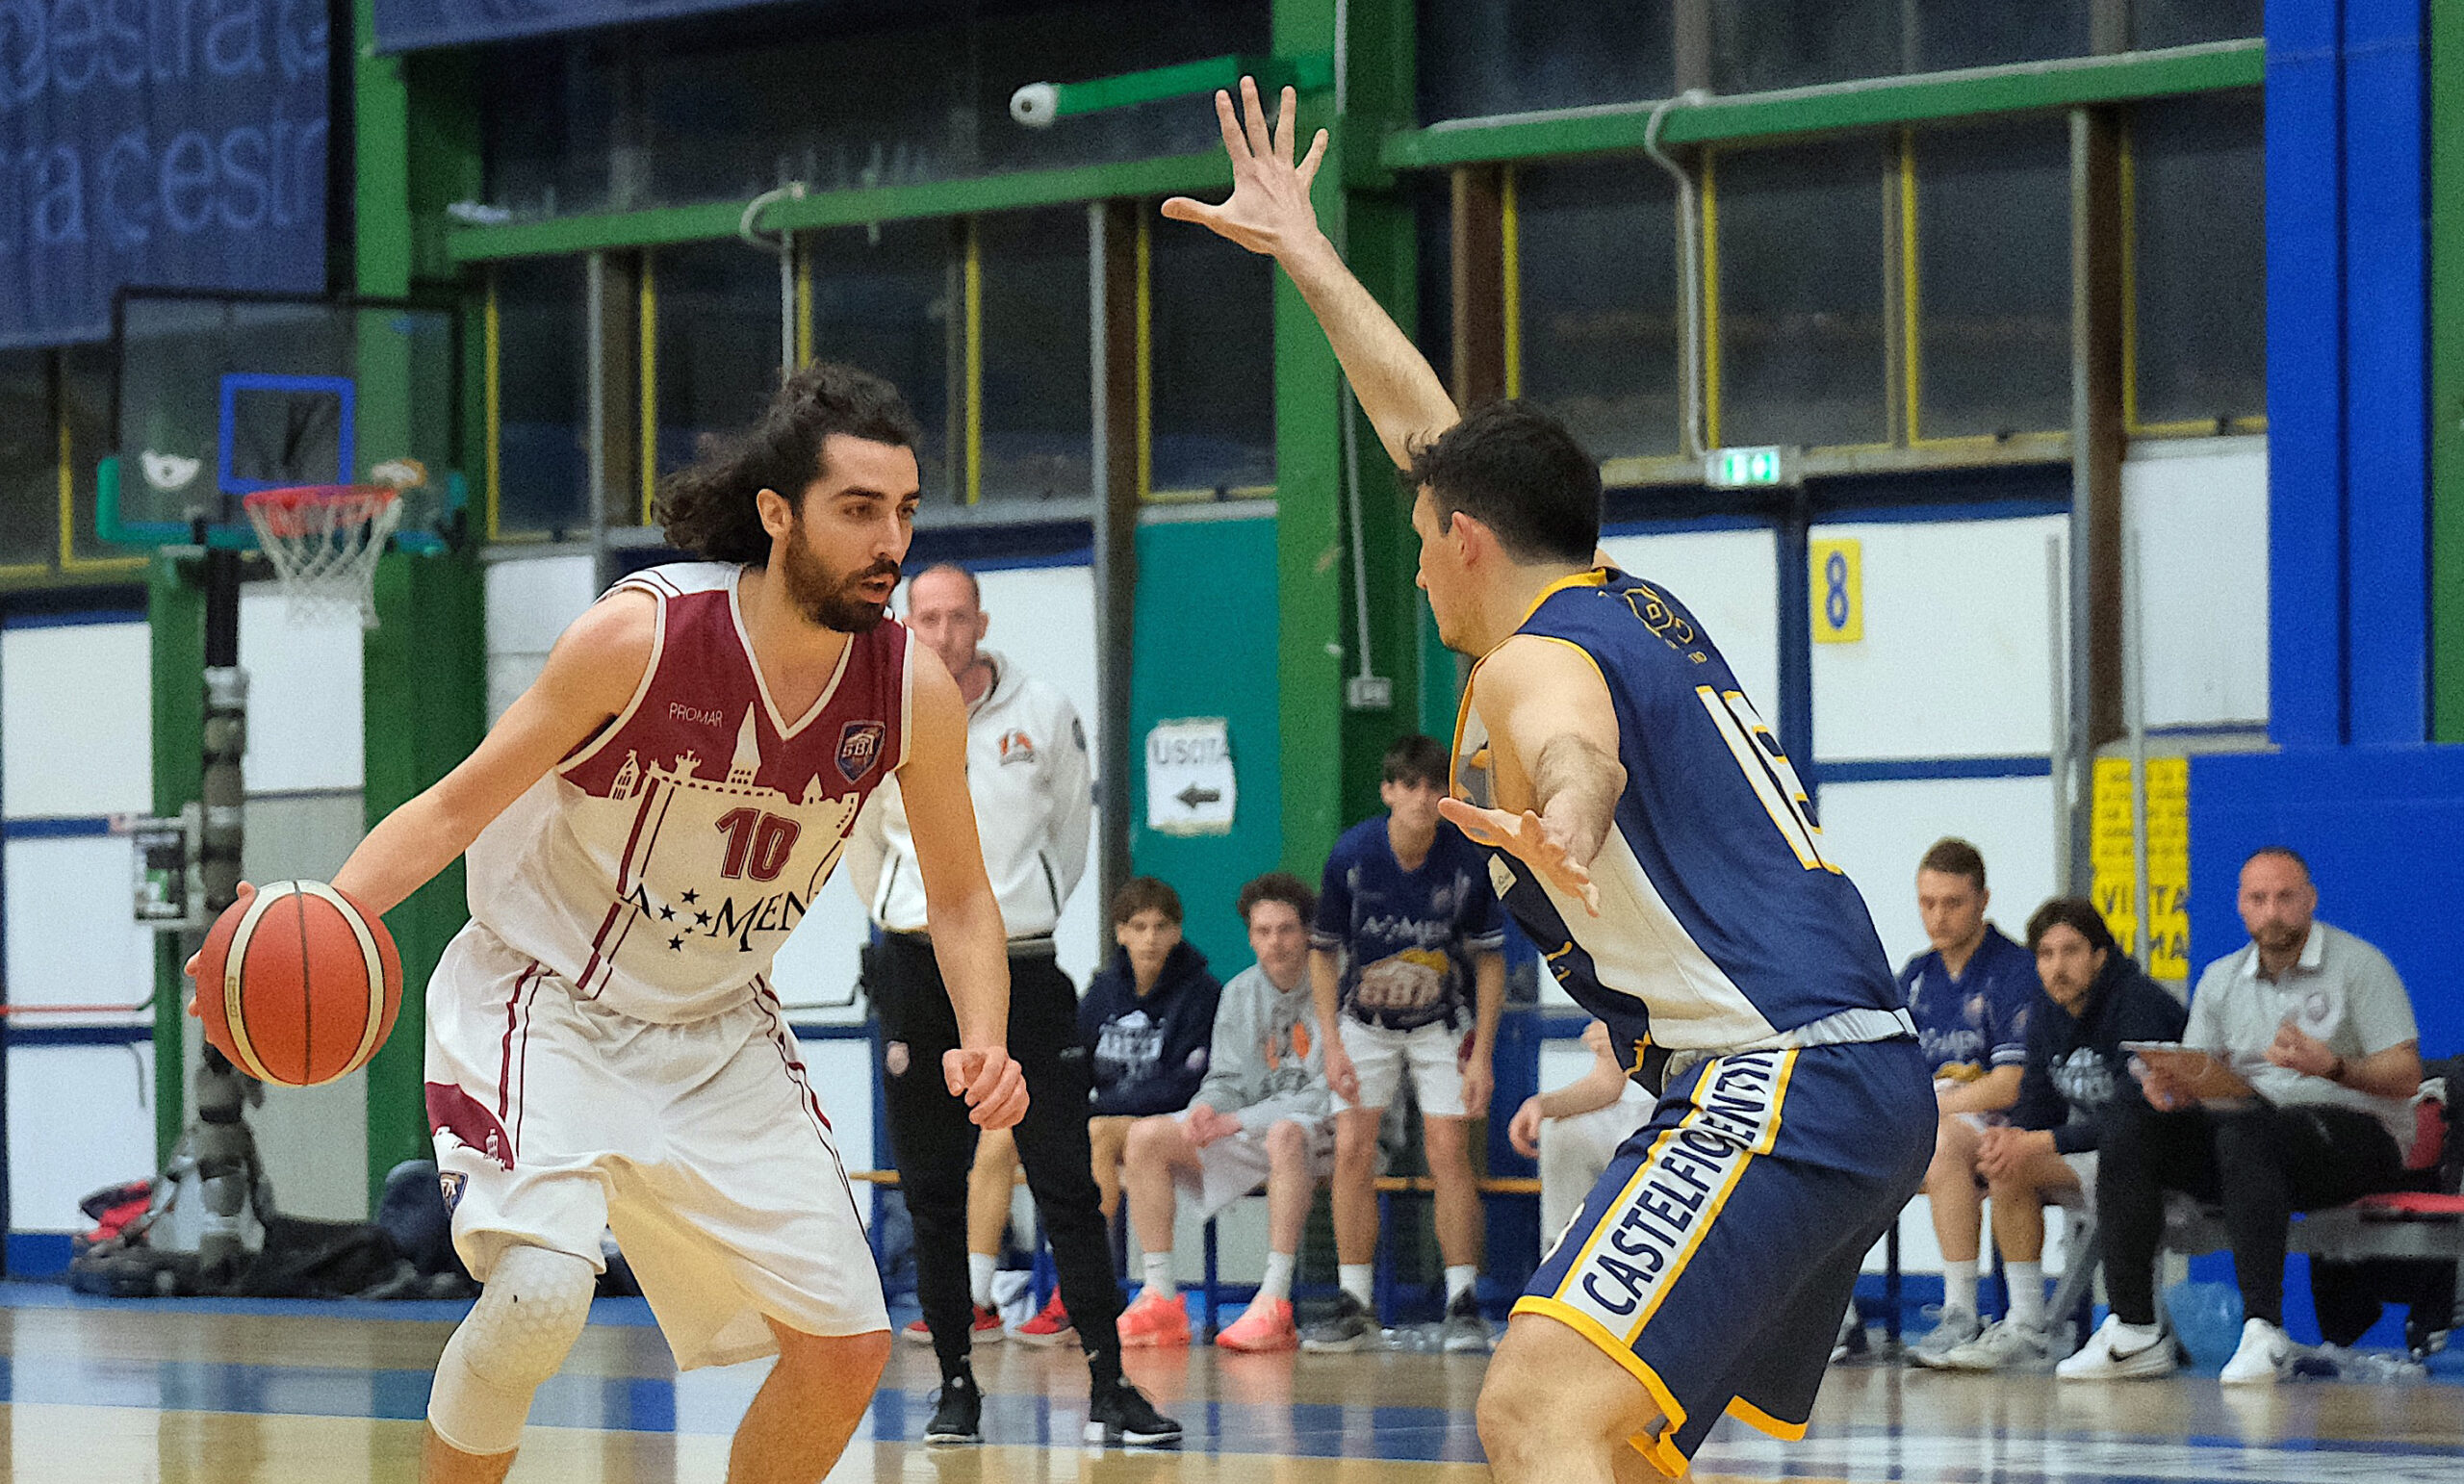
(1016, 747)
(860, 748)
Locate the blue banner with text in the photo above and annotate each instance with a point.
(412, 25)
(169, 143)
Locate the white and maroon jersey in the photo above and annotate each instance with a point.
(659, 868)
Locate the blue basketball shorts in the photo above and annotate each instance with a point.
(1715, 1256)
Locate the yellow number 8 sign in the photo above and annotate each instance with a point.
(1838, 568)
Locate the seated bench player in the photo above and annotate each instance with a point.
(1262, 1114)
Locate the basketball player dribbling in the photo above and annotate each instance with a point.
(1652, 838)
(645, 826)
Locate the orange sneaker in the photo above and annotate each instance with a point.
(1153, 1322)
(1266, 1326)
(985, 1327)
(1049, 1327)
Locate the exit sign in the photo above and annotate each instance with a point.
(1750, 469)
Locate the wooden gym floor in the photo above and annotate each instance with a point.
(226, 1392)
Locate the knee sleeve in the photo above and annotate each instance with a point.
(528, 1317)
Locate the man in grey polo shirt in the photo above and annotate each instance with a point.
(2316, 1026)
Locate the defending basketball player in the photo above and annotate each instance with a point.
(1653, 839)
(645, 826)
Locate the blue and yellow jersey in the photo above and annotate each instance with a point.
(1722, 925)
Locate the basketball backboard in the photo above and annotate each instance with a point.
(222, 394)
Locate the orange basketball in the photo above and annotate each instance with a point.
(298, 986)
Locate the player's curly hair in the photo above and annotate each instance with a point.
(1516, 469)
(707, 506)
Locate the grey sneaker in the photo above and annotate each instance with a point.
(1956, 1328)
(1466, 1330)
(2007, 1345)
(1351, 1328)
(1851, 1339)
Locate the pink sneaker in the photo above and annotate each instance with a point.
(1266, 1326)
(1153, 1322)
(986, 1328)
(1049, 1327)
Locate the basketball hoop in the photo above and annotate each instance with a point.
(324, 541)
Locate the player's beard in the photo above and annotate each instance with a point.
(832, 602)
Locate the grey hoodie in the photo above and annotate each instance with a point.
(1264, 1066)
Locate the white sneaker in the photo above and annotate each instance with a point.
(1956, 1327)
(2120, 1353)
(2263, 1351)
(2007, 1345)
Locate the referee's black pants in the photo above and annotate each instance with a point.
(2261, 1163)
(933, 1141)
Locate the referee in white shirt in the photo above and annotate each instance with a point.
(1028, 770)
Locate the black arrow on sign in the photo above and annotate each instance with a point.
(1193, 796)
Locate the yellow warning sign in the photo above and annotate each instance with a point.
(2169, 860)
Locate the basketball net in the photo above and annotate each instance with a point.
(324, 541)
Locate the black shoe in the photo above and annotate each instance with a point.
(1351, 1328)
(1118, 1415)
(959, 1416)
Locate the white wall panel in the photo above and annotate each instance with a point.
(1954, 659)
(529, 602)
(76, 720)
(842, 1072)
(314, 1142)
(1044, 622)
(305, 722)
(1562, 1062)
(1728, 579)
(71, 940)
(2200, 508)
(78, 1120)
(1876, 831)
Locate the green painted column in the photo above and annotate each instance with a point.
(426, 709)
(1382, 244)
(176, 618)
(424, 691)
(1331, 751)
(2446, 371)
(1309, 546)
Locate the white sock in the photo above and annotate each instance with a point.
(2140, 1330)
(1277, 1283)
(2026, 1283)
(1358, 1281)
(1459, 1280)
(1159, 1274)
(979, 1278)
(1959, 1286)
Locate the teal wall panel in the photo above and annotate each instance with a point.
(1206, 631)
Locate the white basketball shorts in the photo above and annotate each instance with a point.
(700, 1145)
(1430, 1055)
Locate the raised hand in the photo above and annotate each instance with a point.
(1268, 210)
(1529, 839)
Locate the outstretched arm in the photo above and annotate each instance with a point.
(1553, 748)
(967, 935)
(590, 676)
(1268, 213)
